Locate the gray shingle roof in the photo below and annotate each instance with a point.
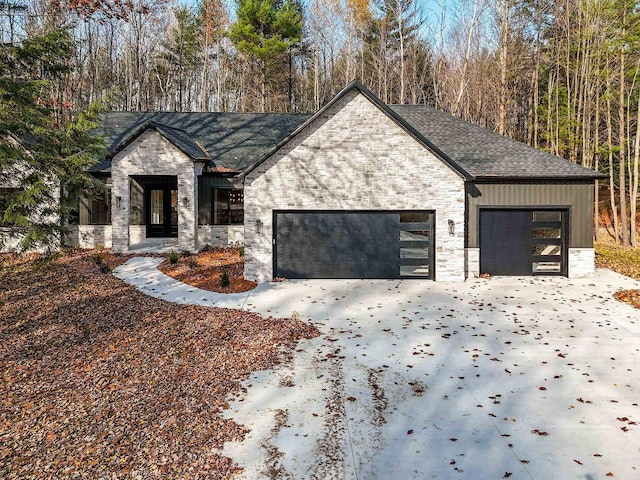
(182, 140)
(484, 154)
(232, 140)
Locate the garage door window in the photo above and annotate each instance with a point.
(543, 232)
(547, 233)
(416, 230)
(547, 216)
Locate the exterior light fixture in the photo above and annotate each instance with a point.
(259, 226)
(118, 201)
(185, 202)
(452, 228)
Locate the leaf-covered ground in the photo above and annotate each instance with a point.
(101, 381)
(204, 270)
(624, 260)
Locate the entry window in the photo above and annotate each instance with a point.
(6, 195)
(157, 207)
(228, 206)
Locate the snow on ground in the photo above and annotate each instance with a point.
(499, 378)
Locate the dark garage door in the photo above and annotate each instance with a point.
(354, 244)
(523, 242)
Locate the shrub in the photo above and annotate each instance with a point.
(186, 253)
(104, 268)
(224, 279)
(173, 257)
(241, 251)
(98, 258)
(193, 263)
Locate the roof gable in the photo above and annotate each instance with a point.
(356, 85)
(232, 140)
(178, 138)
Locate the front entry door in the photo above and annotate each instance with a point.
(162, 211)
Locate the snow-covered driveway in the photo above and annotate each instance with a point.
(500, 378)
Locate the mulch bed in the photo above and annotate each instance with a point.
(204, 270)
(101, 381)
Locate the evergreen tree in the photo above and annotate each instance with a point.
(182, 54)
(47, 158)
(265, 31)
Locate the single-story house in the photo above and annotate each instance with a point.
(360, 189)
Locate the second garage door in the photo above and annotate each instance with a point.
(523, 241)
(354, 244)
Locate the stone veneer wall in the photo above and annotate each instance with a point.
(232, 235)
(150, 154)
(11, 238)
(89, 236)
(581, 262)
(471, 262)
(354, 157)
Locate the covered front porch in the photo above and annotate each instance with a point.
(154, 195)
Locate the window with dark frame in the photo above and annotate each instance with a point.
(100, 209)
(5, 199)
(228, 206)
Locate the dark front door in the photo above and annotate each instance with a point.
(523, 242)
(353, 244)
(161, 211)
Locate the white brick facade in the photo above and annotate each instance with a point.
(89, 236)
(11, 238)
(150, 154)
(471, 262)
(581, 262)
(354, 157)
(220, 235)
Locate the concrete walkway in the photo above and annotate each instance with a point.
(532, 378)
(143, 273)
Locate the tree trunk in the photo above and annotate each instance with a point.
(502, 116)
(612, 187)
(263, 88)
(402, 59)
(624, 224)
(635, 180)
(596, 165)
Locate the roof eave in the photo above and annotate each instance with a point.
(536, 178)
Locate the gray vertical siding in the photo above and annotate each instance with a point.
(577, 196)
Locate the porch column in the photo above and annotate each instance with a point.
(187, 212)
(120, 196)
